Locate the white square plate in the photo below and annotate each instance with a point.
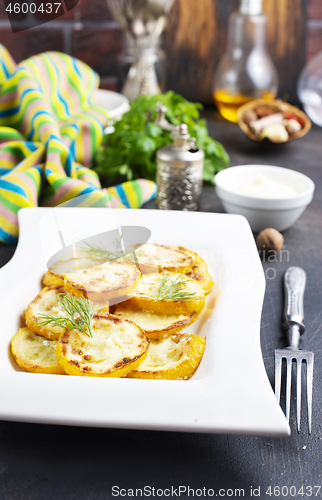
(229, 393)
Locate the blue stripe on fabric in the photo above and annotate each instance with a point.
(5, 70)
(88, 189)
(7, 238)
(31, 146)
(14, 188)
(76, 68)
(64, 103)
(72, 150)
(26, 91)
(9, 112)
(68, 165)
(32, 122)
(122, 195)
(52, 137)
(4, 170)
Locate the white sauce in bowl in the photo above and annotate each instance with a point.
(263, 187)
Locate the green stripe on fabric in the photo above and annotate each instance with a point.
(138, 191)
(58, 182)
(17, 151)
(8, 90)
(9, 204)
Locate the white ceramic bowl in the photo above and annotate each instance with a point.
(279, 213)
(116, 104)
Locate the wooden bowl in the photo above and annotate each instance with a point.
(277, 104)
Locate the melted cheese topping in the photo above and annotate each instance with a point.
(165, 353)
(162, 257)
(151, 321)
(104, 278)
(150, 284)
(31, 348)
(113, 341)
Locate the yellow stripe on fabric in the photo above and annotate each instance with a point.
(131, 195)
(15, 198)
(91, 199)
(73, 109)
(56, 104)
(7, 226)
(112, 191)
(72, 193)
(42, 119)
(27, 189)
(10, 133)
(55, 169)
(6, 164)
(33, 159)
(17, 145)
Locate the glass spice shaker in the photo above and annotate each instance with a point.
(179, 172)
(246, 70)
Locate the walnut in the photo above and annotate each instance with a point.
(270, 239)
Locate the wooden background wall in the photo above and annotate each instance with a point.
(196, 37)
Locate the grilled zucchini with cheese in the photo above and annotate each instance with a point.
(117, 347)
(47, 302)
(200, 274)
(104, 282)
(199, 271)
(147, 294)
(69, 264)
(155, 325)
(173, 358)
(34, 353)
(157, 258)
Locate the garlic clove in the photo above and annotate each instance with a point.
(275, 133)
(260, 125)
(292, 126)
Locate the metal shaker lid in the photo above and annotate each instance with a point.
(182, 149)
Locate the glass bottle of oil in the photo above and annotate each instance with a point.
(246, 70)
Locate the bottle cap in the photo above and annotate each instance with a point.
(251, 7)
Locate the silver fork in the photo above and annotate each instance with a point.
(294, 286)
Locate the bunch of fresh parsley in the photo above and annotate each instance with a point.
(130, 151)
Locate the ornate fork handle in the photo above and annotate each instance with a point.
(294, 285)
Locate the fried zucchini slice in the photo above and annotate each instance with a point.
(146, 293)
(199, 271)
(53, 279)
(34, 353)
(200, 274)
(47, 302)
(68, 264)
(117, 347)
(173, 358)
(101, 283)
(157, 258)
(155, 325)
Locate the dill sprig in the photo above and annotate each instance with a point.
(170, 289)
(100, 253)
(80, 314)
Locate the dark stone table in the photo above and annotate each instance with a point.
(43, 462)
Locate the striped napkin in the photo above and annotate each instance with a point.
(49, 132)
